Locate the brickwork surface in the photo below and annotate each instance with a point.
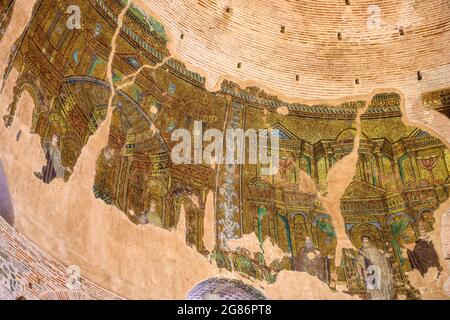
(328, 44)
(27, 272)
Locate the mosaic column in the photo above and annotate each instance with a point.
(228, 207)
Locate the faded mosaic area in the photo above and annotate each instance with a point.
(384, 216)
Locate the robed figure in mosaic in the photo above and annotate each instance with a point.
(54, 168)
(424, 255)
(375, 269)
(311, 261)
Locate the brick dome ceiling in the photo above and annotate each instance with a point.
(357, 92)
(311, 49)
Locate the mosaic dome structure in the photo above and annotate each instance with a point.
(303, 146)
(224, 289)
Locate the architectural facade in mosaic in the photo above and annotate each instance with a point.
(402, 173)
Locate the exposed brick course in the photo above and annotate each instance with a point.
(28, 272)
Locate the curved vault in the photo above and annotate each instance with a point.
(350, 167)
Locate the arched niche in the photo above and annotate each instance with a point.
(154, 202)
(426, 217)
(194, 217)
(299, 231)
(284, 233)
(324, 235)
